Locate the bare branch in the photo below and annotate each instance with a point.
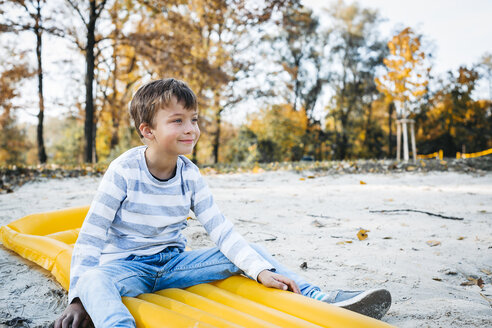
(417, 211)
(100, 8)
(74, 6)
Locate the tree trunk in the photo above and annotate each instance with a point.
(41, 149)
(115, 138)
(297, 83)
(398, 140)
(344, 142)
(216, 144)
(368, 126)
(194, 156)
(89, 128)
(391, 109)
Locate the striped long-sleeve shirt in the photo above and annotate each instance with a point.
(133, 213)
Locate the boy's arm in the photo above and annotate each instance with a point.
(222, 233)
(92, 237)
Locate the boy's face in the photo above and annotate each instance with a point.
(175, 130)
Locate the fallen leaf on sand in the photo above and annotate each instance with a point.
(472, 282)
(437, 279)
(461, 238)
(433, 243)
(344, 242)
(387, 237)
(487, 272)
(302, 179)
(362, 182)
(362, 234)
(310, 177)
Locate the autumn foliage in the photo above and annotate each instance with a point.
(273, 84)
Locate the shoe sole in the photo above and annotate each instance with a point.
(373, 303)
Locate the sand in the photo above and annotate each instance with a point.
(315, 221)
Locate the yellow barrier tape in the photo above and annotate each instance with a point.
(437, 155)
(473, 155)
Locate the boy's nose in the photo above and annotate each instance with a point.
(189, 127)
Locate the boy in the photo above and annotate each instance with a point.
(131, 241)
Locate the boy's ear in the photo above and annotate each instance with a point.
(146, 131)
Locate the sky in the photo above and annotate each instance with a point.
(461, 30)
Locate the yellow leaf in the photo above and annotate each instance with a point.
(362, 234)
(311, 177)
(302, 179)
(344, 242)
(461, 238)
(433, 243)
(362, 182)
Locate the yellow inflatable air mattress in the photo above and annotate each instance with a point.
(47, 239)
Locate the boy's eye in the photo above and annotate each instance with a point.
(195, 119)
(178, 120)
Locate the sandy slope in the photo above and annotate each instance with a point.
(307, 221)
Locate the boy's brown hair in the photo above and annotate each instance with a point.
(155, 95)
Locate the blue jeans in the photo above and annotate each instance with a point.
(100, 289)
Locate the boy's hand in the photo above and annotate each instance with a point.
(74, 316)
(274, 280)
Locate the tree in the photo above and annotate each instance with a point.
(294, 45)
(454, 120)
(279, 131)
(407, 78)
(117, 70)
(243, 147)
(30, 18)
(89, 12)
(358, 51)
(485, 70)
(204, 44)
(13, 143)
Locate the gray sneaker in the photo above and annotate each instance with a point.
(373, 303)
